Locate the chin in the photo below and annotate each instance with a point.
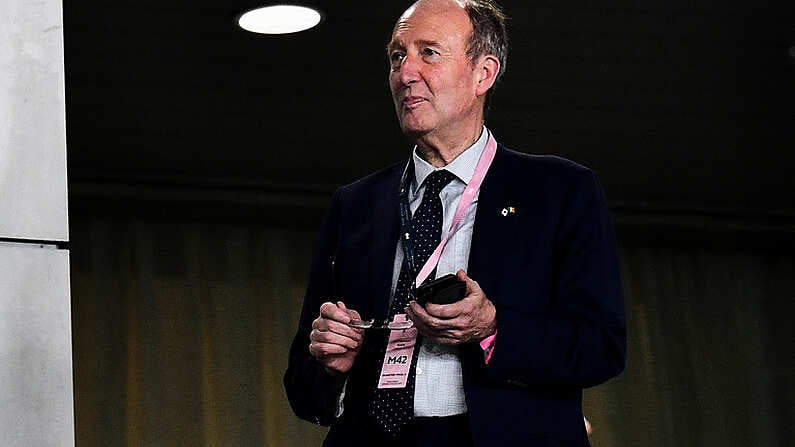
(413, 129)
(413, 133)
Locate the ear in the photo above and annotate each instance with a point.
(487, 68)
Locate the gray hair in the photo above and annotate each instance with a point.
(489, 35)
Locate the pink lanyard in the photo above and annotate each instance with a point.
(466, 199)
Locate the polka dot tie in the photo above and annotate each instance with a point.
(393, 408)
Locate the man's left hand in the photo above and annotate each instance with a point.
(471, 319)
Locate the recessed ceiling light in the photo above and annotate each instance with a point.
(279, 19)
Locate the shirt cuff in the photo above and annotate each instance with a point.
(487, 345)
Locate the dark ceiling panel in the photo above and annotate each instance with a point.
(684, 104)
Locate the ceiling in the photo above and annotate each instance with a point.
(680, 104)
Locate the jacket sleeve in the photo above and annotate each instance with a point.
(579, 339)
(311, 391)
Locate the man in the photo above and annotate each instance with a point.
(530, 236)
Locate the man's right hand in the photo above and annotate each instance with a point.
(332, 342)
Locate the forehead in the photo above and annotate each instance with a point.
(434, 21)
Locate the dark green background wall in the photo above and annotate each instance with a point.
(183, 316)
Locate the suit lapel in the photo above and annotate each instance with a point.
(483, 254)
(386, 233)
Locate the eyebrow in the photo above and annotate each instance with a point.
(392, 45)
(428, 43)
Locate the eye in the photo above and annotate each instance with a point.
(395, 58)
(428, 52)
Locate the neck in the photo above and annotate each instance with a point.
(440, 151)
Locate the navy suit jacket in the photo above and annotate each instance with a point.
(550, 267)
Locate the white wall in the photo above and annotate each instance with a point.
(33, 201)
(36, 397)
(36, 406)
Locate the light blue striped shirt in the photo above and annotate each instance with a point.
(439, 387)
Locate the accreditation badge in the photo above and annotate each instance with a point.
(399, 353)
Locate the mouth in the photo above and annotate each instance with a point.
(412, 102)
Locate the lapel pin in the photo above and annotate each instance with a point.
(507, 211)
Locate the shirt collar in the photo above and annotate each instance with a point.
(463, 166)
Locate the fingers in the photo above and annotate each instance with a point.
(325, 325)
(436, 316)
(437, 329)
(335, 318)
(331, 335)
(331, 311)
(354, 315)
(472, 285)
(463, 309)
(471, 318)
(447, 311)
(336, 334)
(473, 288)
(323, 350)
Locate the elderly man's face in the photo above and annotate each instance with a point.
(431, 78)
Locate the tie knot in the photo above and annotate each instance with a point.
(437, 180)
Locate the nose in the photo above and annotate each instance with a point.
(408, 72)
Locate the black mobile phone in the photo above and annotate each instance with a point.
(446, 289)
